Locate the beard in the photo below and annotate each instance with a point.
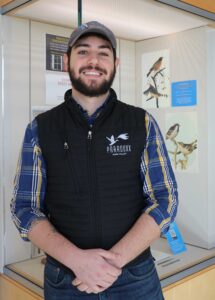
(93, 89)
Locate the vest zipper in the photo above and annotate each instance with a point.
(95, 205)
(89, 135)
(65, 146)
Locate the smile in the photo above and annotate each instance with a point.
(93, 73)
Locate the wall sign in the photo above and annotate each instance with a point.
(56, 86)
(184, 93)
(56, 46)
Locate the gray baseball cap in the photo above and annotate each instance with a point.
(92, 27)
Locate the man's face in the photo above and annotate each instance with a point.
(92, 68)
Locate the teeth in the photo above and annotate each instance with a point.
(92, 73)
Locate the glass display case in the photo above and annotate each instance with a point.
(27, 84)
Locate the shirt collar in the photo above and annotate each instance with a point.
(91, 119)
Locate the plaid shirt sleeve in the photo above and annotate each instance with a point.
(159, 184)
(27, 204)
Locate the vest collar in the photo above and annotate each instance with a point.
(76, 113)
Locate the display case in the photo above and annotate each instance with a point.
(25, 82)
(178, 273)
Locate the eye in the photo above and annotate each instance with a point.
(104, 54)
(82, 52)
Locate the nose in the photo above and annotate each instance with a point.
(93, 59)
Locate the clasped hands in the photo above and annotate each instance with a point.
(96, 270)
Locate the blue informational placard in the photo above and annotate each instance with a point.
(184, 93)
(175, 240)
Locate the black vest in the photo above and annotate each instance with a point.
(94, 191)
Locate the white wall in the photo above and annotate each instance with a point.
(211, 132)
(16, 112)
(127, 72)
(188, 61)
(1, 160)
(24, 43)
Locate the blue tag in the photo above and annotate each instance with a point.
(175, 240)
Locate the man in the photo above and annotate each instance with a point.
(94, 185)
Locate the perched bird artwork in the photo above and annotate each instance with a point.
(186, 149)
(182, 152)
(172, 132)
(181, 148)
(156, 83)
(152, 92)
(156, 66)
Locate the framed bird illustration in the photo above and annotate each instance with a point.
(155, 79)
(181, 140)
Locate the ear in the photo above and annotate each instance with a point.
(116, 62)
(65, 62)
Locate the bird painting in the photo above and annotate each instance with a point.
(186, 149)
(152, 92)
(181, 148)
(172, 132)
(156, 79)
(156, 66)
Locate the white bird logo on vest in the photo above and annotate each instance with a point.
(112, 140)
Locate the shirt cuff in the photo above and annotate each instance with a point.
(28, 219)
(162, 221)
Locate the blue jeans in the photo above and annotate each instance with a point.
(137, 282)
